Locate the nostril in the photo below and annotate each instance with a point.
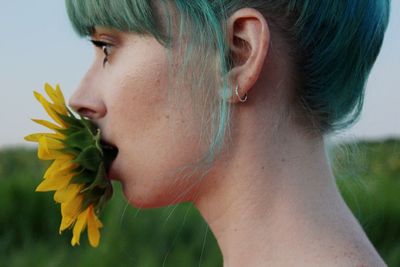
(87, 104)
(89, 113)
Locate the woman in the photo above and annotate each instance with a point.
(227, 104)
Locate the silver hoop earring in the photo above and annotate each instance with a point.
(237, 93)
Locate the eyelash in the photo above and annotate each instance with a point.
(105, 47)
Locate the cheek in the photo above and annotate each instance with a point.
(154, 192)
(148, 162)
(148, 168)
(137, 96)
(155, 139)
(165, 134)
(138, 80)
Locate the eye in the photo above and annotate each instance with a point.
(105, 47)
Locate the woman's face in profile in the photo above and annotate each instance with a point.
(127, 98)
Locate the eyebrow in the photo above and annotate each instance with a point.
(92, 31)
(96, 31)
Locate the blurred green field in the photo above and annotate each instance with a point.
(368, 174)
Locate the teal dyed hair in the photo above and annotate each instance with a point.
(333, 46)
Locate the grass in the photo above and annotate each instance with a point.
(368, 174)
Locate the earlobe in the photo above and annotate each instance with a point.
(248, 38)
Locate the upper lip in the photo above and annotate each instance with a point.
(104, 141)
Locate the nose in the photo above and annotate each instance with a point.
(87, 100)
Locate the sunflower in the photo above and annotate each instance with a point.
(77, 173)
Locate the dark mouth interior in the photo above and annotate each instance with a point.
(110, 153)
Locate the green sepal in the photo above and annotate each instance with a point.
(71, 114)
(100, 180)
(97, 141)
(80, 139)
(88, 199)
(104, 199)
(70, 130)
(88, 124)
(84, 177)
(70, 150)
(71, 121)
(89, 158)
(93, 196)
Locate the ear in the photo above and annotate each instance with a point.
(249, 36)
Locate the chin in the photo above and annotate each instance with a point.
(151, 197)
(144, 197)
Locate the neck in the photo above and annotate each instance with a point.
(264, 203)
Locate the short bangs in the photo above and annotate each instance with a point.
(125, 15)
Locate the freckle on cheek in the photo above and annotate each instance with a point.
(167, 116)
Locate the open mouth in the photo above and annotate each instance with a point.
(110, 153)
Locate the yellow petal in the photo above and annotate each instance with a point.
(59, 109)
(71, 209)
(54, 168)
(67, 165)
(68, 193)
(48, 124)
(36, 137)
(60, 95)
(48, 149)
(58, 105)
(55, 94)
(43, 147)
(54, 183)
(52, 155)
(54, 143)
(49, 109)
(60, 167)
(51, 93)
(65, 223)
(93, 228)
(79, 227)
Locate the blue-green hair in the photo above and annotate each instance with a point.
(333, 46)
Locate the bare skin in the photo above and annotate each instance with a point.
(271, 199)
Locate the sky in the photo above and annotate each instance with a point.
(38, 45)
